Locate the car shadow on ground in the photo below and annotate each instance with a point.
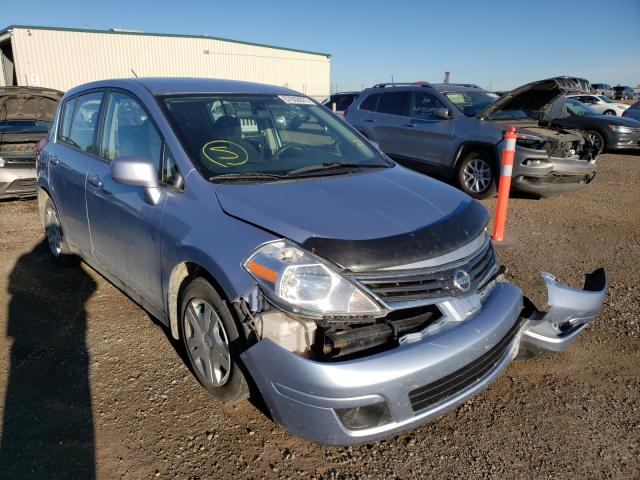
(47, 427)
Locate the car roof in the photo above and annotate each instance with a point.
(441, 87)
(186, 85)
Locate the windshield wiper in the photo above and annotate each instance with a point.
(333, 166)
(247, 176)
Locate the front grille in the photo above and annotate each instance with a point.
(452, 384)
(434, 283)
(565, 178)
(22, 184)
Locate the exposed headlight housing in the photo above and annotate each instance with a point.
(621, 129)
(301, 283)
(527, 140)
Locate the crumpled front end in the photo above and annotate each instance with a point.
(361, 399)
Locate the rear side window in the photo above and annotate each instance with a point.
(394, 103)
(370, 102)
(128, 131)
(82, 131)
(65, 122)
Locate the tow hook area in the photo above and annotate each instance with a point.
(571, 311)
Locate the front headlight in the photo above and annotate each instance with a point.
(300, 282)
(1, 162)
(621, 129)
(531, 141)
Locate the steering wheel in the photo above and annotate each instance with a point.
(289, 147)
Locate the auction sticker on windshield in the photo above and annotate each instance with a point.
(296, 99)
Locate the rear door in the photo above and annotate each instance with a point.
(125, 229)
(69, 158)
(428, 137)
(390, 122)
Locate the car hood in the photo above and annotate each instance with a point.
(28, 103)
(532, 97)
(361, 222)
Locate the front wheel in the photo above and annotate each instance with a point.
(213, 342)
(476, 175)
(597, 140)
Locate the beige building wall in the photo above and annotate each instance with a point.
(62, 59)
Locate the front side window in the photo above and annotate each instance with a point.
(128, 131)
(471, 102)
(370, 103)
(268, 134)
(84, 122)
(577, 108)
(394, 103)
(424, 106)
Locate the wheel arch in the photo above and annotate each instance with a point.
(471, 146)
(180, 275)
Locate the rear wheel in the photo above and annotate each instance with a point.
(596, 139)
(54, 233)
(609, 112)
(477, 175)
(213, 342)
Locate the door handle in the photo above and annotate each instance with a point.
(410, 125)
(369, 120)
(53, 159)
(95, 181)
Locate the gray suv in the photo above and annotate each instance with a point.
(360, 297)
(457, 131)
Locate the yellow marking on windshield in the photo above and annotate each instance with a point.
(225, 153)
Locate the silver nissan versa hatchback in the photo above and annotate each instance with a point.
(285, 251)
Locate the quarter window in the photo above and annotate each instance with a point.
(394, 103)
(82, 131)
(65, 122)
(128, 131)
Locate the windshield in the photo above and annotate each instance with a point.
(237, 135)
(471, 102)
(579, 108)
(605, 99)
(24, 126)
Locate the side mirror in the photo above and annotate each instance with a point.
(140, 172)
(442, 113)
(375, 145)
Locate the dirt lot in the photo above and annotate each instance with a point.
(91, 386)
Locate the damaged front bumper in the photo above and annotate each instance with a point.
(535, 172)
(366, 399)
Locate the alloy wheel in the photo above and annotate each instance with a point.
(207, 342)
(477, 175)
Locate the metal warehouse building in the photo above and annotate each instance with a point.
(61, 58)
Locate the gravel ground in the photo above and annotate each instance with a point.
(91, 386)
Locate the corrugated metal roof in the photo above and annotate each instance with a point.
(132, 32)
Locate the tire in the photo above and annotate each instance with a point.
(213, 342)
(55, 235)
(598, 139)
(476, 175)
(609, 112)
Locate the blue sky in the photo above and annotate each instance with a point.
(495, 44)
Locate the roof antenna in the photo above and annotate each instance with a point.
(134, 73)
(392, 82)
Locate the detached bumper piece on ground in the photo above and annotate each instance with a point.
(365, 399)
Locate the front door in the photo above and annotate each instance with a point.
(125, 229)
(429, 137)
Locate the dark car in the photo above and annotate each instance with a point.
(633, 111)
(341, 100)
(606, 131)
(25, 116)
(623, 92)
